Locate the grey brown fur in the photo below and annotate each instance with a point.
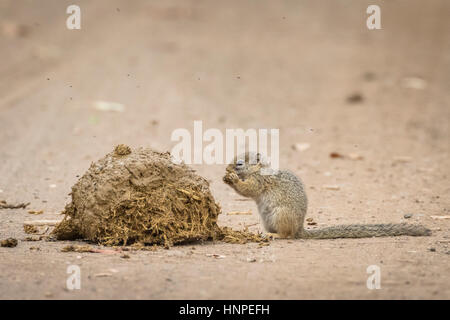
(282, 204)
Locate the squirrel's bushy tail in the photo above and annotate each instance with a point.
(366, 231)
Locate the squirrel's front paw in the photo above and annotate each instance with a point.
(230, 177)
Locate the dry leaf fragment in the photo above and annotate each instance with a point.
(30, 229)
(336, 155)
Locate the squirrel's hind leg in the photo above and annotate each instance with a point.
(287, 224)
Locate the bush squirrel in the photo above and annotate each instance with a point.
(282, 203)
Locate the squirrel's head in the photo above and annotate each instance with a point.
(247, 164)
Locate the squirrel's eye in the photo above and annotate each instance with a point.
(239, 163)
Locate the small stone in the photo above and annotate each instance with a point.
(408, 215)
(432, 249)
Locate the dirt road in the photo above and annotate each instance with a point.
(310, 68)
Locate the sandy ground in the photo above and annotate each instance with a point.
(236, 64)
